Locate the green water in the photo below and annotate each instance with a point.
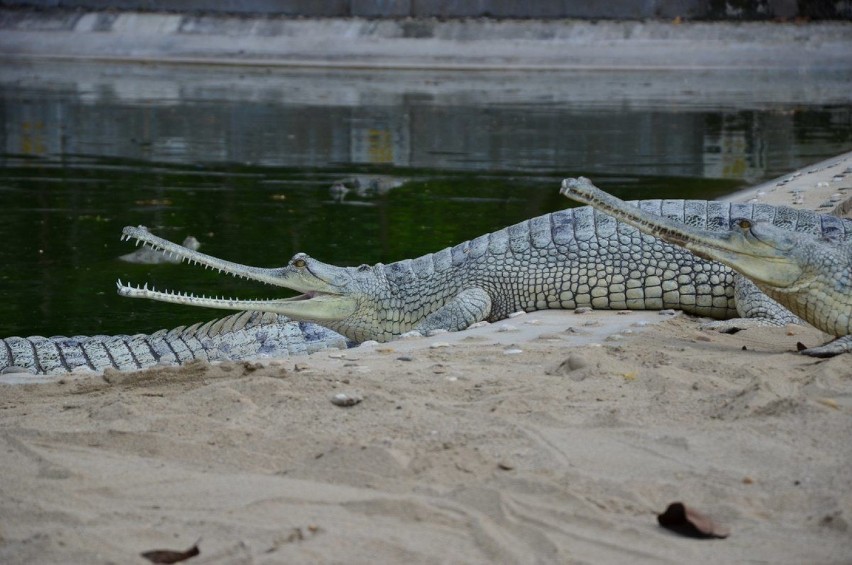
(248, 172)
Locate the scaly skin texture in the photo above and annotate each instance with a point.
(566, 259)
(247, 335)
(809, 276)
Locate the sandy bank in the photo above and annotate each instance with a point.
(549, 442)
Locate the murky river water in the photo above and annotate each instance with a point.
(246, 161)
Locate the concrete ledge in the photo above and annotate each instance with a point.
(739, 10)
(423, 43)
(612, 9)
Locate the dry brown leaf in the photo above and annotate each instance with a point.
(689, 522)
(171, 556)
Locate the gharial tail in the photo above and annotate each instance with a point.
(241, 336)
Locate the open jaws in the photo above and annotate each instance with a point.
(319, 301)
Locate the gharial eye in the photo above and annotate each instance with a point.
(363, 268)
(744, 224)
(299, 263)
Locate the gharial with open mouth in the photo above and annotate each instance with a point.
(563, 260)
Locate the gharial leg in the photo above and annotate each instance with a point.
(755, 310)
(758, 310)
(468, 307)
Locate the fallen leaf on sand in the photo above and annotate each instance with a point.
(686, 521)
(170, 556)
(830, 402)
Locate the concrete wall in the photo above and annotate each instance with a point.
(543, 9)
(435, 43)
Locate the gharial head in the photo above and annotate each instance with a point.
(337, 297)
(329, 293)
(765, 253)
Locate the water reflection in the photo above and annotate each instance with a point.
(671, 124)
(246, 161)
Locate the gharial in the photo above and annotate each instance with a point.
(810, 276)
(566, 259)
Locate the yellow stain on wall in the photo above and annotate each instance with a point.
(32, 138)
(379, 146)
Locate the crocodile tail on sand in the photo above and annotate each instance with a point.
(244, 335)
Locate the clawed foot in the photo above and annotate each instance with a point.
(413, 334)
(734, 325)
(830, 349)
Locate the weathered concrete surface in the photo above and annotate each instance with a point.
(612, 9)
(423, 43)
(825, 186)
